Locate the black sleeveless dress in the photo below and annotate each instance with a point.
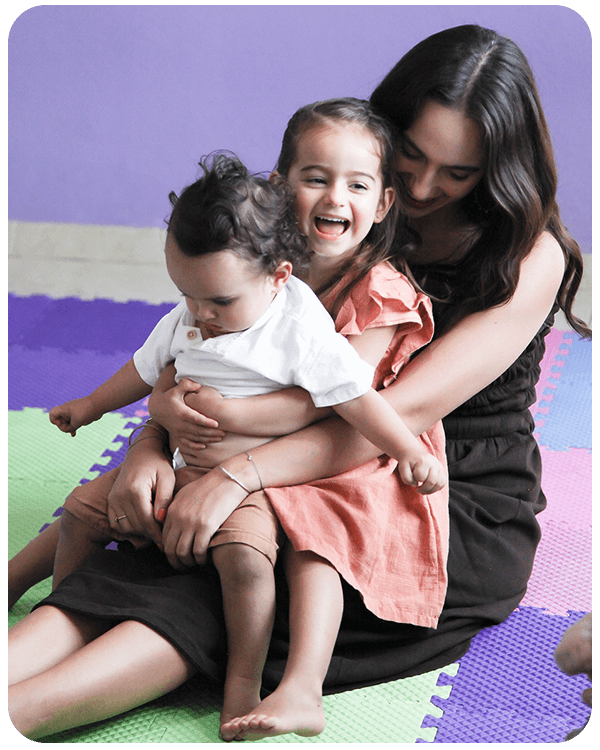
(495, 494)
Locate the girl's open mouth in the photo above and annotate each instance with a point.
(330, 226)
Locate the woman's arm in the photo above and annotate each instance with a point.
(448, 372)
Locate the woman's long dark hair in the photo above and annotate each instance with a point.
(488, 78)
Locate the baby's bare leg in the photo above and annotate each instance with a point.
(248, 585)
(76, 542)
(34, 563)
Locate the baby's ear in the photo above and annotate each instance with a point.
(281, 275)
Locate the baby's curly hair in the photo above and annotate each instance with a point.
(228, 208)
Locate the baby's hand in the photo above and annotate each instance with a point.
(72, 415)
(207, 401)
(424, 472)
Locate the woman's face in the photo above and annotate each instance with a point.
(440, 160)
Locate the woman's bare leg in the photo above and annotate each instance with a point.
(45, 637)
(127, 666)
(316, 605)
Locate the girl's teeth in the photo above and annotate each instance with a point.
(331, 226)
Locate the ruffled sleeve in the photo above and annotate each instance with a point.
(385, 298)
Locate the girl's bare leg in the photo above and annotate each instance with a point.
(248, 585)
(34, 563)
(124, 667)
(316, 605)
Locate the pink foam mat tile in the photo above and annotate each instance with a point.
(561, 580)
(567, 484)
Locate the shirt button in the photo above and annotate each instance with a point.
(191, 334)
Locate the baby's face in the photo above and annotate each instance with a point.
(224, 292)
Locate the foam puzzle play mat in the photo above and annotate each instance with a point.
(506, 689)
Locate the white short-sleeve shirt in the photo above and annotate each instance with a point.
(293, 343)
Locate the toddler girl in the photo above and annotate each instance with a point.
(337, 158)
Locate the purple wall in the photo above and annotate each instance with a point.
(110, 107)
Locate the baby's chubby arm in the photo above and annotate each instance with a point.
(123, 388)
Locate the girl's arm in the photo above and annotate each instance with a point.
(376, 419)
(446, 374)
(269, 415)
(123, 388)
(196, 415)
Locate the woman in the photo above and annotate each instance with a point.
(479, 187)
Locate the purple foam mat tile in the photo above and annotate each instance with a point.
(24, 315)
(508, 687)
(49, 376)
(97, 325)
(500, 725)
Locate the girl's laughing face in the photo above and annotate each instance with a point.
(336, 179)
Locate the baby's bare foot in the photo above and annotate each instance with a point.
(285, 711)
(241, 697)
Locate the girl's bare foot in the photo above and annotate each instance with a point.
(285, 711)
(241, 697)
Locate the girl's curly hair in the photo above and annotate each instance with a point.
(228, 208)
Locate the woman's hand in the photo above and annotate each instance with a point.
(143, 489)
(197, 511)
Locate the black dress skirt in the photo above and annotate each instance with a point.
(495, 494)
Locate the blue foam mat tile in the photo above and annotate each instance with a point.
(567, 411)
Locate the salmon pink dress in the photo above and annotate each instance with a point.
(383, 537)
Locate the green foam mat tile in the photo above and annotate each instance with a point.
(392, 712)
(44, 465)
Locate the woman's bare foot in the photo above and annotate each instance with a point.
(241, 697)
(284, 711)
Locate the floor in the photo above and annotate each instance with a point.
(79, 299)
(124, 263)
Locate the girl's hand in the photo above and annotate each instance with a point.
(171, 410)
(72, 415)
(143, 489)
(424, 472)
(197, 511)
